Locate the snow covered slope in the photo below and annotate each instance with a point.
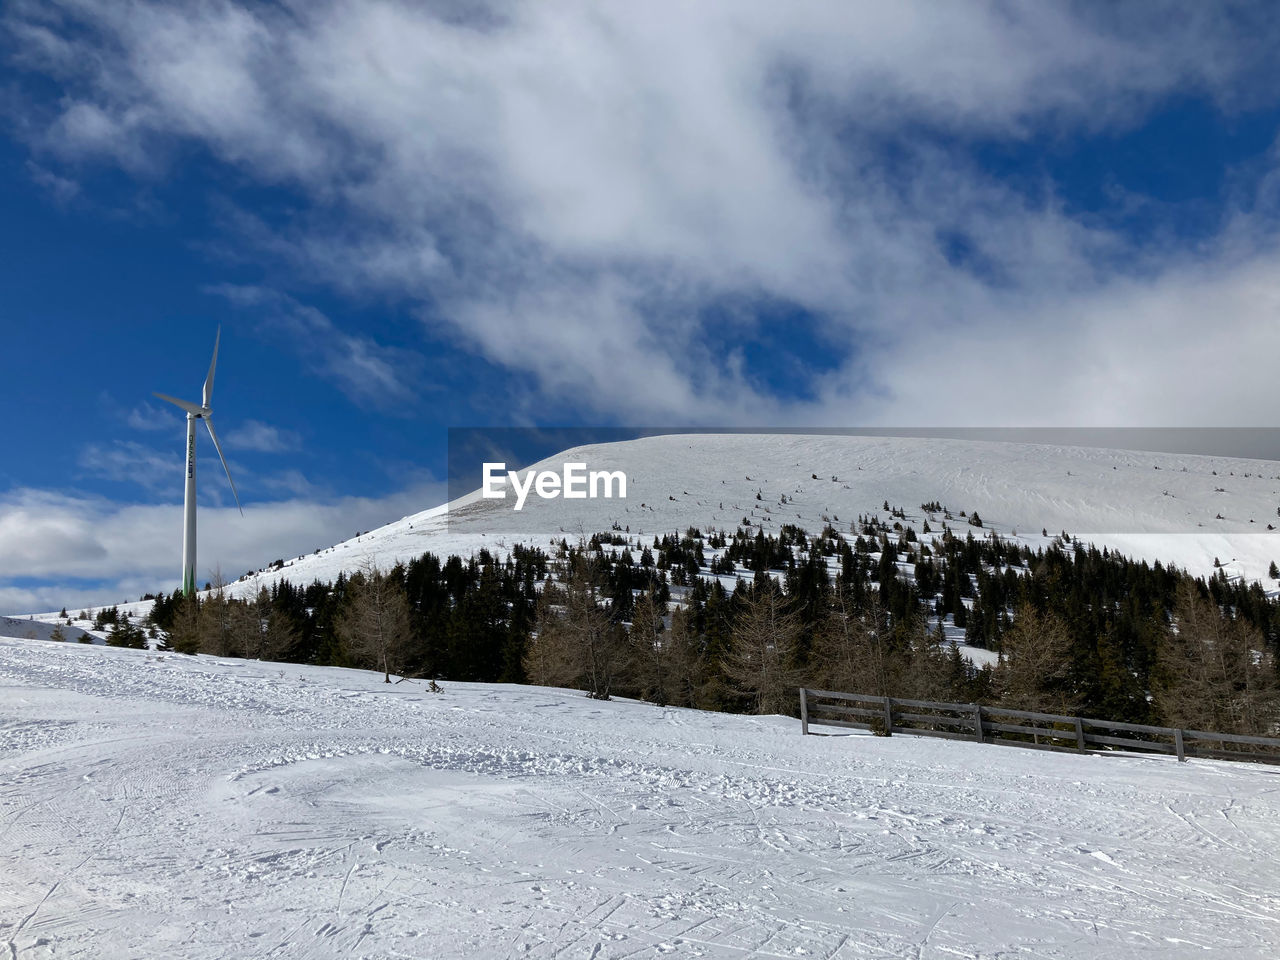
(1153, 506)
(1150, 505)
(36, 629)
(169, 806)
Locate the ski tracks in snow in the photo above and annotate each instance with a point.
(171, 806)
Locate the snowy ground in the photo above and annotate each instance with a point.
(163, 806)
(38, 629)
(1177, 508)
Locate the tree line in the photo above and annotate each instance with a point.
(737, 621)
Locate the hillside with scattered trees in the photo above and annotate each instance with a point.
(736, 621)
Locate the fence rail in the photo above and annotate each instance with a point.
(1041, 731)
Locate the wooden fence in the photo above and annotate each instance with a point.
(1022, 728)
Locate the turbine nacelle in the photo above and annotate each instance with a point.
(203, 411)
(193, 409)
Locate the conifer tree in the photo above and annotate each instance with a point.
(927, 668)
(374, 621)
(1035, 663)
(651, 665)
(576, 643)
(215, 630)
(280, 634)
(588, 626)
(244, 628)
(1215, 672)
(263, 628)
(184, 629)
(759, 665)
(124, 633)
(685, 660)
(851, 647)
(549, 658)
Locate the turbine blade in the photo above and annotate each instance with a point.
(208, 381)
(208, 422)
(191, 408)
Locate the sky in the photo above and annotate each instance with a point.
(406, 217)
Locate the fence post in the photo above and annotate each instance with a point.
(977, 722)
(804, 713)
(888, 716)
(1079, 734)
(1178, 745)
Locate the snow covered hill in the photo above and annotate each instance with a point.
(1177, 508)
(170, 806)
(37, 629)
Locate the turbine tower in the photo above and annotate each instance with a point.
(201, 412)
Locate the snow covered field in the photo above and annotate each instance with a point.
(156, 805)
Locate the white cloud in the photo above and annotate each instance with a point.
(262, 437)
(571, 186)
(369, 373)
(586, 192)
(50, 598)
(62, 189)
(129, 549)
(127, 461)
(1192, 347)
(149, 417)
(293, 482)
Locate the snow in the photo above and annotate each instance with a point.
(38, 629)
(1155, 506)
(167, 806)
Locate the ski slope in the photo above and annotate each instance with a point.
(1151, 506)
(164, 806)
(1148, 505)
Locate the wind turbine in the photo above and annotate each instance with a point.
(202, 412)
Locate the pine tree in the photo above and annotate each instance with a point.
(1215, 672)
(184, 629)
(58, 633)
(374, 622)
(576, 644)
(927, 668)
(244, 628)
(651, 666)
(280, 634)
(215, 622)
(686, 660)
(851, 647)
(588, 626)
(549, 658)
(759, 664)
(1274, 571)
(124, 633)
(1035, 663)
(116, 636)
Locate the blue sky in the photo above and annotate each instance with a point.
(412, 216)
